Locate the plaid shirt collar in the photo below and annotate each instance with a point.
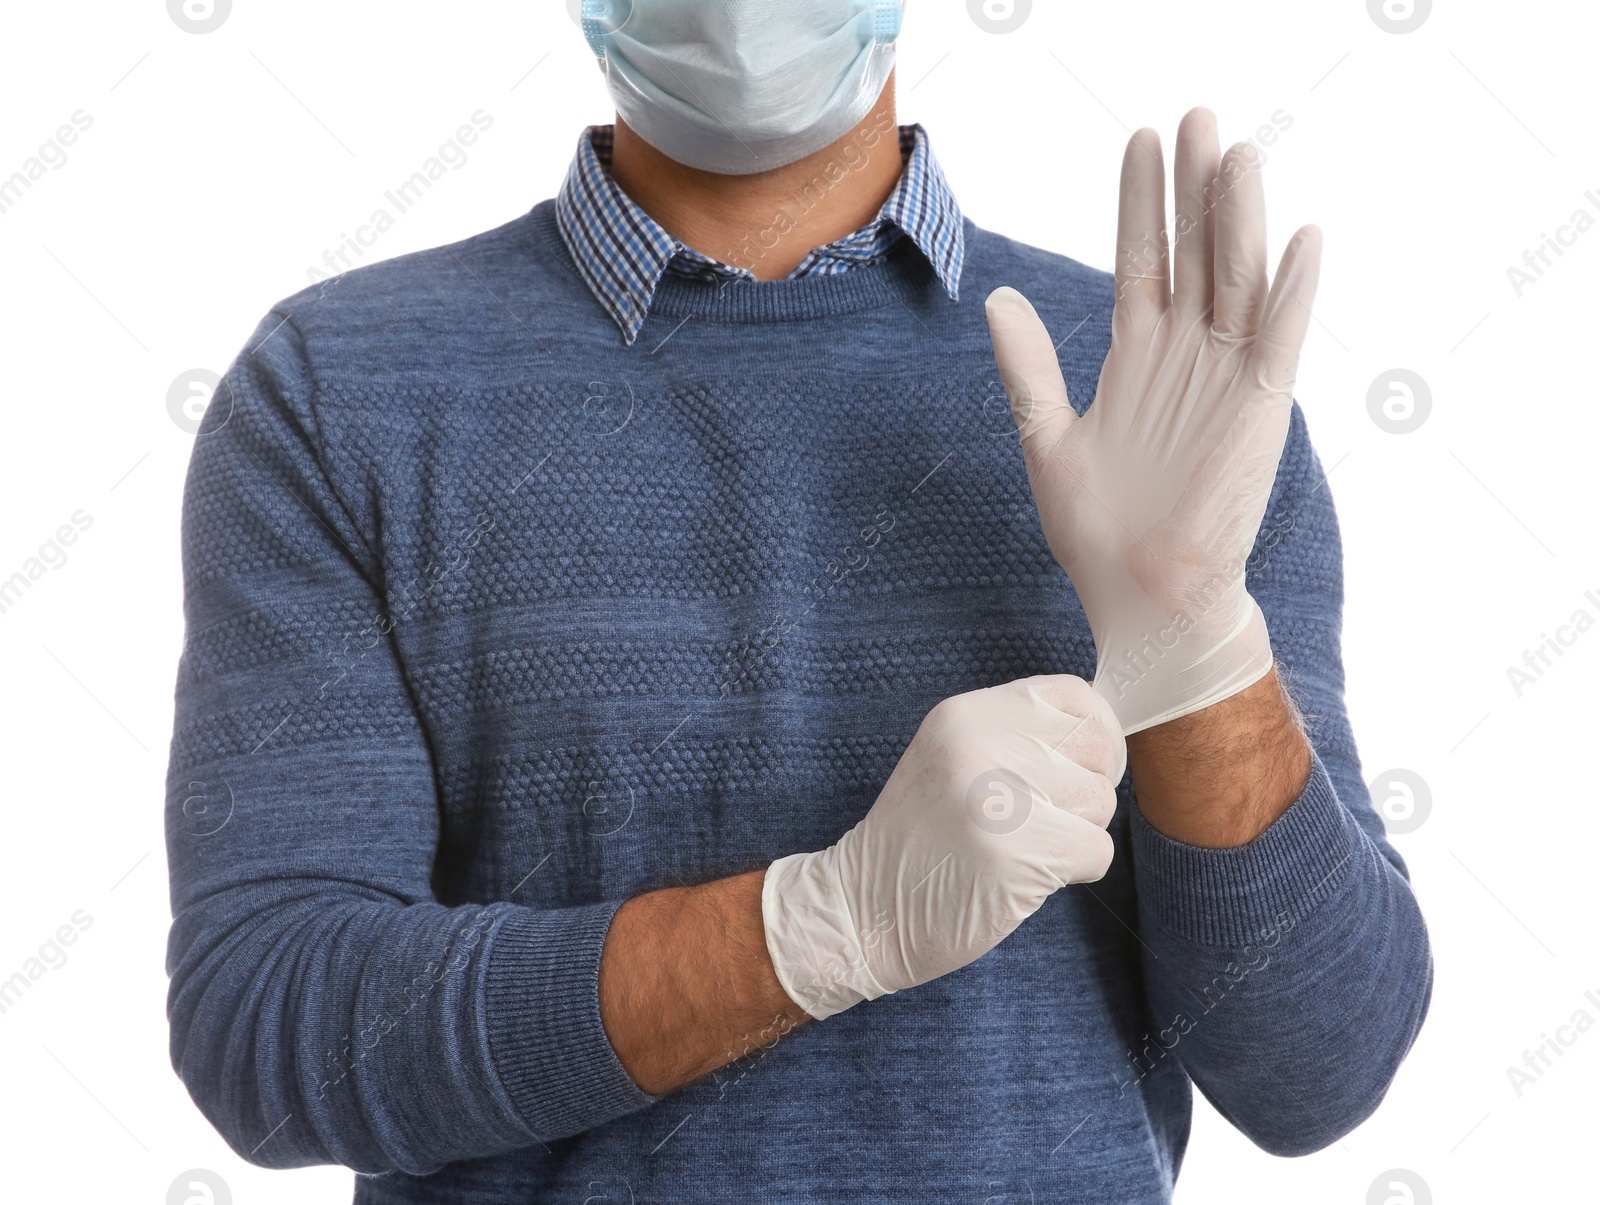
(622, 253)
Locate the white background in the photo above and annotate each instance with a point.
(219, 167)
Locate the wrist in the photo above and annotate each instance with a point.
(818, 955)
(1156, 665)
(686, 984)
(1218, 777)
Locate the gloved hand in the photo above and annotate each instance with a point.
(1152, 499)
(1002, 797)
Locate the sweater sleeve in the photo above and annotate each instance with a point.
(323, 1006)
(1290, 975)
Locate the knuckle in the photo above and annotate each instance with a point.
(946, 716)
(1086, 857)
(940, 736)
(1067, 692)
(956, 723)
(1091, 746)
(1100, 750)
(1089, 796)
(1099, 850)
(1102, 803)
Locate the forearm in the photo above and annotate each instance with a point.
(1219, 777)
(337, 1027)
(1288, 968)
(1289, 976)
(687, 985)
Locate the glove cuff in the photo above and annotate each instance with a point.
(1186, 677)
(812, 938)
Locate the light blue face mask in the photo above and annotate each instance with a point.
(742, 86)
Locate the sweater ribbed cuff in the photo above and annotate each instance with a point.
(545, 1034)
(1244, 895)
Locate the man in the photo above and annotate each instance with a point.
(633, 734)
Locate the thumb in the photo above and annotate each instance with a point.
(1026, 357)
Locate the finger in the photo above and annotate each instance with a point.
(1070, 788)
(1097, 742)
(1096, 801)
(1196, 185)
(1288, 309)
(1029, 369)
(1083, 851)
(1096, 747)
(1241, 253)
(1107, 717)
(1141, 224)
(1087, 731)
(1063, 692)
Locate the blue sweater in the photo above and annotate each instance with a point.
(494, 623)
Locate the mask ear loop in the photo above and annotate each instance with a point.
(885, 20)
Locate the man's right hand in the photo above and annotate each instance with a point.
(1002, 798)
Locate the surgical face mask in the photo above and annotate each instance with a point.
(742, 86)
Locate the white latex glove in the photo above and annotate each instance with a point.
(1001, 798)
(1152, 500)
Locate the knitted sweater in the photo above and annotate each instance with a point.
(494, 622)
